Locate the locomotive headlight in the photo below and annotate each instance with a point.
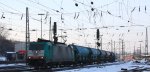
(36, 51)
(29, 57)
(42, 57)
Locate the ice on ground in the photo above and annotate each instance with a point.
(112, 68)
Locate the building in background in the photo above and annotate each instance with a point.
(19, 46)
(20, 51)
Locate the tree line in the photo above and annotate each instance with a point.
(5, 44)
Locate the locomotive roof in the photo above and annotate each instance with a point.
(43, 40)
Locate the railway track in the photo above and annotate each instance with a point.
(24, 68)
(12, 67)
(87, 66)
(11, 62)
(136, 69)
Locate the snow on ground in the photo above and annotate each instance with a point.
(2, 58)
(112, 68)
(8, 65)
(102, 68)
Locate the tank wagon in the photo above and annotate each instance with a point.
(43, 54)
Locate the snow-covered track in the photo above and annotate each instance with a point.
(22, 68)
(86, 66)
(136, 69)
(26, 70)
(12, 67)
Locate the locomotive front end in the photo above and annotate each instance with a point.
(35, 54)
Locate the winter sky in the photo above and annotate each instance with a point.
(78, 19)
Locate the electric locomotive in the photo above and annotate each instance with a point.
(47, 53)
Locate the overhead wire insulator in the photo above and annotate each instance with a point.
(21, 16)
(119, 16)
(133, 9)
(46, 15)
(92, 3)
(57, 11)
(33, 30)
(2, 16)
(139, 9)
(10, 29)
(78, 15)
(92, 9)
(76, 4)
(128, 30)
(94, 14)
(109, 12)
(145, 9)
(75, 15)
(61, 17)
(122, 26)
(101, 14)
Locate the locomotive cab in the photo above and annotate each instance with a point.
(35, 54)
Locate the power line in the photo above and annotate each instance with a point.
(9, 7)
(45, 6)
(17, 11)
(32, 6)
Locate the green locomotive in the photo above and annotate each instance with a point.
(43, 54)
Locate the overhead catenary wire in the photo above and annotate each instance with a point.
(17, 11)
(32, 6)
(99, 11)
(57, 11)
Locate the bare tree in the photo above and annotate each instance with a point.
(5, 44)
(3, 32)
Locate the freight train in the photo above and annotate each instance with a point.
(47, 53)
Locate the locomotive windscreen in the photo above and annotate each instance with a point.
(36, 47)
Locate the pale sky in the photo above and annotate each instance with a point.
(110, 13)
